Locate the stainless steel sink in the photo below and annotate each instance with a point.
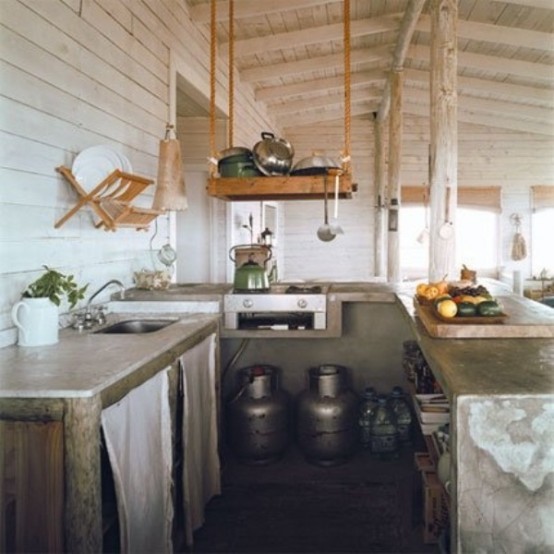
(135, 326)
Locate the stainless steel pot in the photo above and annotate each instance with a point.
(314, 165)
(273, 156)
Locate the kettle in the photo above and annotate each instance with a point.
(251, 276)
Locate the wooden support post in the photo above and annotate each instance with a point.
(395, 162)
(444, 139)
(83, 509)
(380, 195)
(407, 28)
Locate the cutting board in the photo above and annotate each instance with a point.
(526, 319)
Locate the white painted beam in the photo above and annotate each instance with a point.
(313, 35)
(325, 101)
(498, 34)
(250, 8)
(380, 54)
(321, 85)
(493, 64)
(469, 85)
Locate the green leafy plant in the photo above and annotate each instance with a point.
(55, 285)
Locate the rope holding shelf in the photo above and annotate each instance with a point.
(263, 187)
(347, 89)
(213, 40)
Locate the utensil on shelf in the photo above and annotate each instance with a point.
(325, 231)
(336, 228)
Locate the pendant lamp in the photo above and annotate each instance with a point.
(170, 187)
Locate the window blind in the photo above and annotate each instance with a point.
(542, 197)
(482, 198)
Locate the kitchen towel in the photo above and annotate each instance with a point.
(137, 430)
(201, 467)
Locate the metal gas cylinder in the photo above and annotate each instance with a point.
(327, 417)
(258, 416)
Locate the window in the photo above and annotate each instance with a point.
(476, 241)
(542, 240)
(542, 230)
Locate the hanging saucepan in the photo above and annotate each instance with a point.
(314, 165)
(237, 162)
(273, 156)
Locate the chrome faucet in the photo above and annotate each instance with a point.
(111, 282)
(101, 318)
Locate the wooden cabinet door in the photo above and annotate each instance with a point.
(31, 486)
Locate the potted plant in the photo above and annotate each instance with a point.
(36, 316)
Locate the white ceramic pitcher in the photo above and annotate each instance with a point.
(37, 321)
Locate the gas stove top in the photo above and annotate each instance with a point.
(285, 288)
(284, 305)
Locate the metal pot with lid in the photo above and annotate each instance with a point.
(237, 162)
(273, 156)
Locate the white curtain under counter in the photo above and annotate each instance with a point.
(137, 431)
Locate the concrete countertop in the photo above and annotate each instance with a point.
(84, 364)
(488, 366)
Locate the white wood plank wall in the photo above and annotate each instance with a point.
(77, 73)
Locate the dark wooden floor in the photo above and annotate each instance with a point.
(292, 506)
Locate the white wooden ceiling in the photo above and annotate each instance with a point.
(291, 53)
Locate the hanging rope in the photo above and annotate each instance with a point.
(347, 85)
(231, 72)
(213, 41)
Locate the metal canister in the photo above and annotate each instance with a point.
(327, 417)
(258, 416)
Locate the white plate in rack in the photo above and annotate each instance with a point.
(94, 164)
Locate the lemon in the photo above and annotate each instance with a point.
(447, 308)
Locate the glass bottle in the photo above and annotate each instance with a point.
(384, 433)
(368, 405)
(401, 408)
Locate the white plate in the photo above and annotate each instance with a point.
(94, 164)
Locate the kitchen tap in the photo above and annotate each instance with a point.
(88, 319)
(111, 282)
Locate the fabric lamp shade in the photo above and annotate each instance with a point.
(170, 188)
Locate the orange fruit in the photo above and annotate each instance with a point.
(421, 288)
(431, 292)
(442, 286)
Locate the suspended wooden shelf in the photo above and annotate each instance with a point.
(111, 200)
(278, 188)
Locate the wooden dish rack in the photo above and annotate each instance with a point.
(111, 200)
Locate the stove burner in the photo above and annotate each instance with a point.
(295, 289)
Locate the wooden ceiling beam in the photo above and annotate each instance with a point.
(514, 93)
(312, 35)
(545, 4)
(358, 56)
(488, 106)
(498, 34)
(485, 120)
(493, 64)
(309, 118)
(250, 8)
(325, 100)
(321, 85)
